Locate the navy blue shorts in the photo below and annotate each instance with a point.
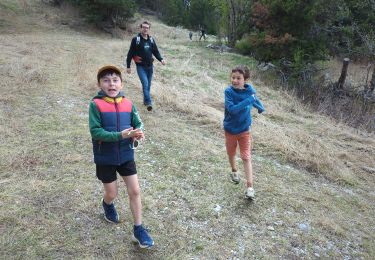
(107, 173)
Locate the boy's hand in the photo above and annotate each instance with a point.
(126, 133)
(130, 133)
(128, 70)
(138, 134)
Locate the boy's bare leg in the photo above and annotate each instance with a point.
(110, 192)
(248, 167)
(134, 197)
(232, 162)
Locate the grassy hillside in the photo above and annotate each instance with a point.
(315, 178)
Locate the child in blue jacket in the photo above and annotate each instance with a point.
(239, 99)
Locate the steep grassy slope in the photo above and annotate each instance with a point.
(314, 179)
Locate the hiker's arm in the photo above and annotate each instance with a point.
(258, 105)
(235, 108)
(131, 53)
(156, 52)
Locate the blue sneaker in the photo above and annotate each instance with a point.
(110, 213)
(142, 237)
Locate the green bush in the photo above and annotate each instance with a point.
(244, 46)
(113, 12)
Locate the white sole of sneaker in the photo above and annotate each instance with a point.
(110, 221)
(140, 245)
(249, 198)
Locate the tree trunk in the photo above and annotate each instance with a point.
(231, 23)
(372, 82)
(344, 71)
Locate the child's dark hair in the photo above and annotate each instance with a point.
(145, 22)
(109, 71)
(242, 69)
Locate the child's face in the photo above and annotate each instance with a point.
(238, 80)
(111, 84)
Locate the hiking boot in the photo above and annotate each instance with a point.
(141, 236)
(250, 193)
(110, 213)
(234, 177)
(149, 107)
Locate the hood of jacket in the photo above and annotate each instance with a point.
(101, 94)
(248, 87)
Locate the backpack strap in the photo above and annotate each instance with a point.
(138, 40)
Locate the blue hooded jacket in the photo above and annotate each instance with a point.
(238, 104)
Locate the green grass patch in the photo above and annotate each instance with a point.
(10, 6)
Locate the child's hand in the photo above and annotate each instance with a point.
(127, 133)
(138, 134)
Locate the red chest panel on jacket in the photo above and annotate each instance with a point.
(124, 106)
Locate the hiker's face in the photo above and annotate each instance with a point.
(238, 80)
(111, 84)
(145, 29)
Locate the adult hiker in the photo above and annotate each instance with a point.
(203, 34)
(142, 47)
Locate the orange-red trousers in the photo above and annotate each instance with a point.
(243, 140)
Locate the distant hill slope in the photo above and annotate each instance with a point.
(314, 178)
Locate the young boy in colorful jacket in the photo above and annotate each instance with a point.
(114, 126)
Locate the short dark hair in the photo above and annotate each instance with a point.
(242, 69)
(107, 72)
(145, 22)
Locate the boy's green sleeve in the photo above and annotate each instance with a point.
(136, 120)
(96, 129)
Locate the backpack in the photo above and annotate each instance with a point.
(138, 40)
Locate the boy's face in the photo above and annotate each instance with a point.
(238, 80)
(111, 84)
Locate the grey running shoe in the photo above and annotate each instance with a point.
(250, 193)
(234, 177)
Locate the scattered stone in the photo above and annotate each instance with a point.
(278, 223)
(271, 228)
(221, 48)
(217, 210)
(368, 169)
(304, 227)
(349, 164)
(349, 191)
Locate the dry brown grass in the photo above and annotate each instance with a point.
(357, 72)
(314, 197)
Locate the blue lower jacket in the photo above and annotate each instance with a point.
(115, 116)
(238, 105)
